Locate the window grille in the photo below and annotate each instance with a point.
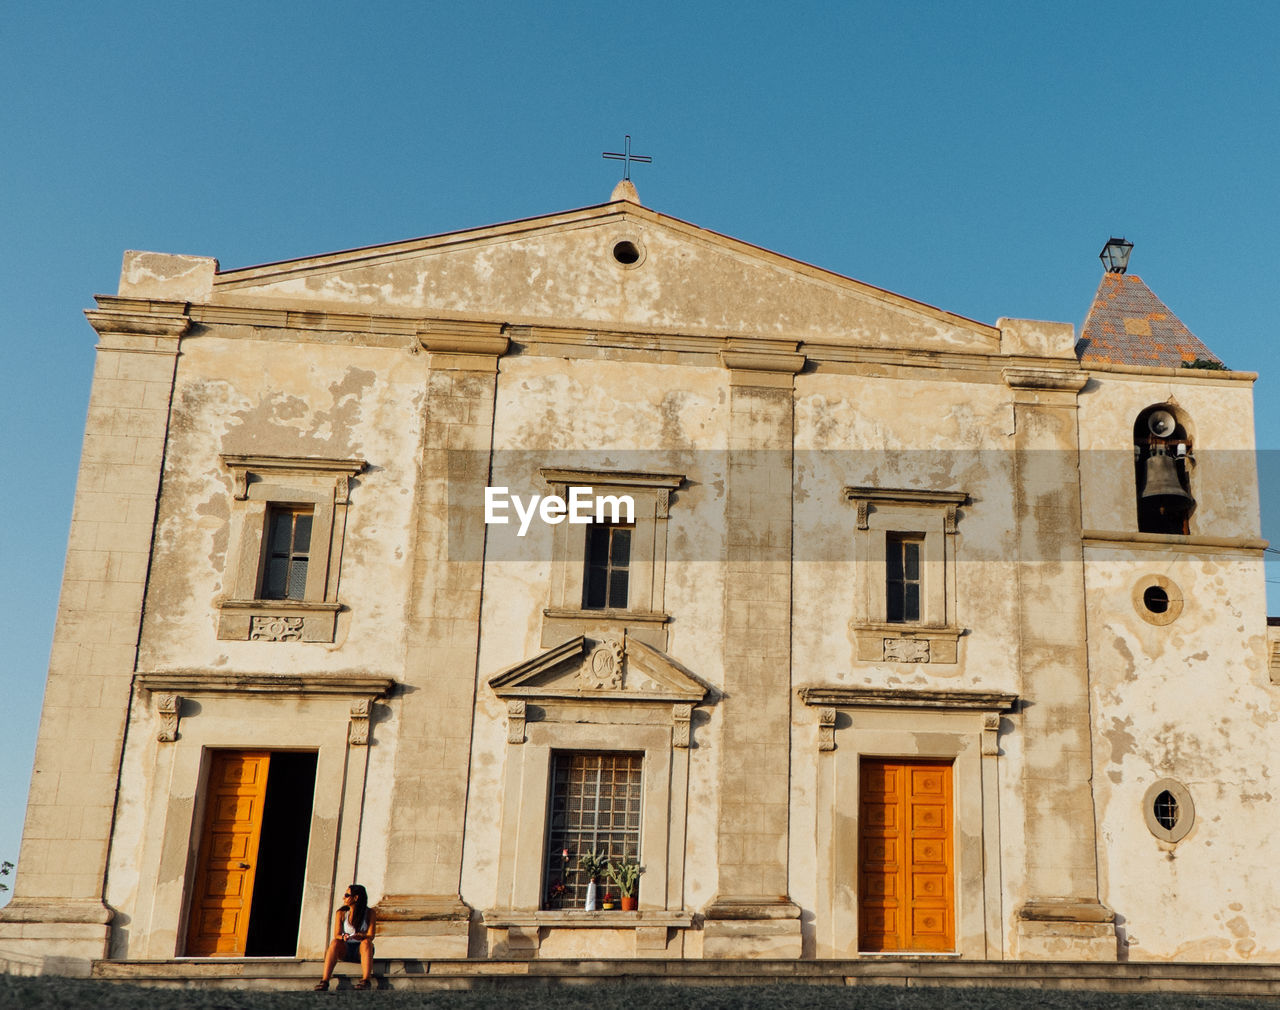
(1166, 810)
(595, 807)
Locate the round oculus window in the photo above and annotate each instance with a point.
(627, 252)
(1157, 599)
(1168, 810)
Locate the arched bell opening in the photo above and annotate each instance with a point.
(1163, 463)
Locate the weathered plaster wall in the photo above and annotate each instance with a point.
(688, 280)
(238, 393)
(1189, 700)
(606, 415)
(924, 431)
(917, 432)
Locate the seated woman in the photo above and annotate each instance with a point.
(354, 925)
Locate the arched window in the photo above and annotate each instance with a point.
(1163, 462)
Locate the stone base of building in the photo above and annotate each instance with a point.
(1066, 929)
(747, 927)
(53, 938)
(423, 926)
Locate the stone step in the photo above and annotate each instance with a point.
(293, 973)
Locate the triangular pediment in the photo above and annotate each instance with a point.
(561, 271)
(618, 668)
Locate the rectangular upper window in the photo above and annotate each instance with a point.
(902, 577)
(606, 578)
(595, 807)
(288, 553)
(288, 520)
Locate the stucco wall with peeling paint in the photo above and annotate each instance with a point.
(1190, 700)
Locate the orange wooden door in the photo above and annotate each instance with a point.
(223, 891)
(906, 877)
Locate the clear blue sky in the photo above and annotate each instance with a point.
(974, 156)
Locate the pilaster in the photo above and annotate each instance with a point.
(752, 914)
(1061, 916)
(421, 912)
(58, 895)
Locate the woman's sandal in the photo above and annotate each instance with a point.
(321, 986)
(362, 984)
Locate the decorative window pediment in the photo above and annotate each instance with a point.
(614, 668)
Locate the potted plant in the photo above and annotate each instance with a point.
(594, 864)
(626, 874)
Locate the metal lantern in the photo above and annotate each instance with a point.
(1115, 255)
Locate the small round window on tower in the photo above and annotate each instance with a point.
(627, 253)
(1166, 810)
(1155, 599)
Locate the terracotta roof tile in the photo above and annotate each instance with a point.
(1129, 325)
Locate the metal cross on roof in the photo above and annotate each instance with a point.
(626, 157)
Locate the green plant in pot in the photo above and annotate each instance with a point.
(626, 874)
(594, 865)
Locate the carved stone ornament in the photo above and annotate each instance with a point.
(275, 629)
(516, 713)
(603, 668)
(358, 732)
(826, 729)
(681, 718)
(991, 734)
(168, 707)
(906, 650)
(864, 507)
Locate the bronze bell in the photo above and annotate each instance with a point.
(1161, 480)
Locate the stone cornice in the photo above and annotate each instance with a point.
(1172, 542)
(611, 478)
(904, 697)
(1211, 376)
(762, 361)
(294, 464)
(138, 317)
(196, 682)
(464, 337)
(1056, 379)
(913, 496)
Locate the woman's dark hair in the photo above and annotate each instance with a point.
(360, 910)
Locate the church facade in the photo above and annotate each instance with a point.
(861, 626)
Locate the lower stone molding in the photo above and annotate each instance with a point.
(423, 926)
(1066, 929)
(52, 948)
(740, 926)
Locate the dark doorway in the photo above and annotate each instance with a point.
(282, 856)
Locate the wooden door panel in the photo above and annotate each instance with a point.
(906, 877)
(222, 890)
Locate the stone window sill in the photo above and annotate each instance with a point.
(561, 623)
(277, 621)
(578, 919)
(906, 643)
